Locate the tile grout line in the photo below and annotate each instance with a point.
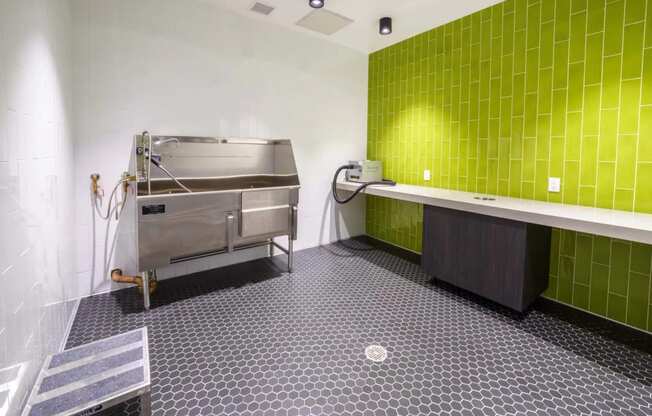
(636, 152)
(563, 167)
(618, 134)
(477, 127)
(581, 142)
(620, 93)
(523, 94)
(536, 140)
(500, 104)
(491, 50)
(597, 153)
(620, 102)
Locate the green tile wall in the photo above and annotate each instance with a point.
(499, 101)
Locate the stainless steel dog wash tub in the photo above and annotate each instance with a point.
(192, 197)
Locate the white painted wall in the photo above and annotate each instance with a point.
(186, 67)
(36, 249)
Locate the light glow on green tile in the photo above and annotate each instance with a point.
(502, 99)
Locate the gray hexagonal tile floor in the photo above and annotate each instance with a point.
(253, 340)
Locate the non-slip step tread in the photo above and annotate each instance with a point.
(92, 376)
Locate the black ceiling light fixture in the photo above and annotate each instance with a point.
(316, 4)
(385, 26)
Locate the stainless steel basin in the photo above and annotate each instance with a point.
(201, 196)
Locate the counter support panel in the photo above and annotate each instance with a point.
(503, 260)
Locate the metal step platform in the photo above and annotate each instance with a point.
(93, 378)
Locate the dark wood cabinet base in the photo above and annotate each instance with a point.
(502, 260)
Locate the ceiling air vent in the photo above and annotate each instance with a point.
(324, 21)
(262, 8)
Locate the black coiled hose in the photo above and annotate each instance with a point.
(357, 191)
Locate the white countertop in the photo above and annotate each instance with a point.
(606, 222)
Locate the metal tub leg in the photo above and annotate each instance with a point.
(290, 254)
(146, 404)
(146, 290)
(293, 236)
(271, 247)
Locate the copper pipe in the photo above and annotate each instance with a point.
(117, 276)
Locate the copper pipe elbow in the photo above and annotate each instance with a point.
(117, 276)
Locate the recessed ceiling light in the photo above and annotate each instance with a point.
(316, 4)
(385, 26)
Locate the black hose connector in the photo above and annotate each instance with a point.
(355, 193)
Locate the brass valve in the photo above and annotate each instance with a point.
(126, 178)
(95, 183)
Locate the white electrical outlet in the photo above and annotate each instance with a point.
(426, 175)
(554, 184)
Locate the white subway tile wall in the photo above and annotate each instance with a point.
(36, 153)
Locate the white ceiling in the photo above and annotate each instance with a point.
(410, 17)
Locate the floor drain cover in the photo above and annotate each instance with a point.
(376, 353)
